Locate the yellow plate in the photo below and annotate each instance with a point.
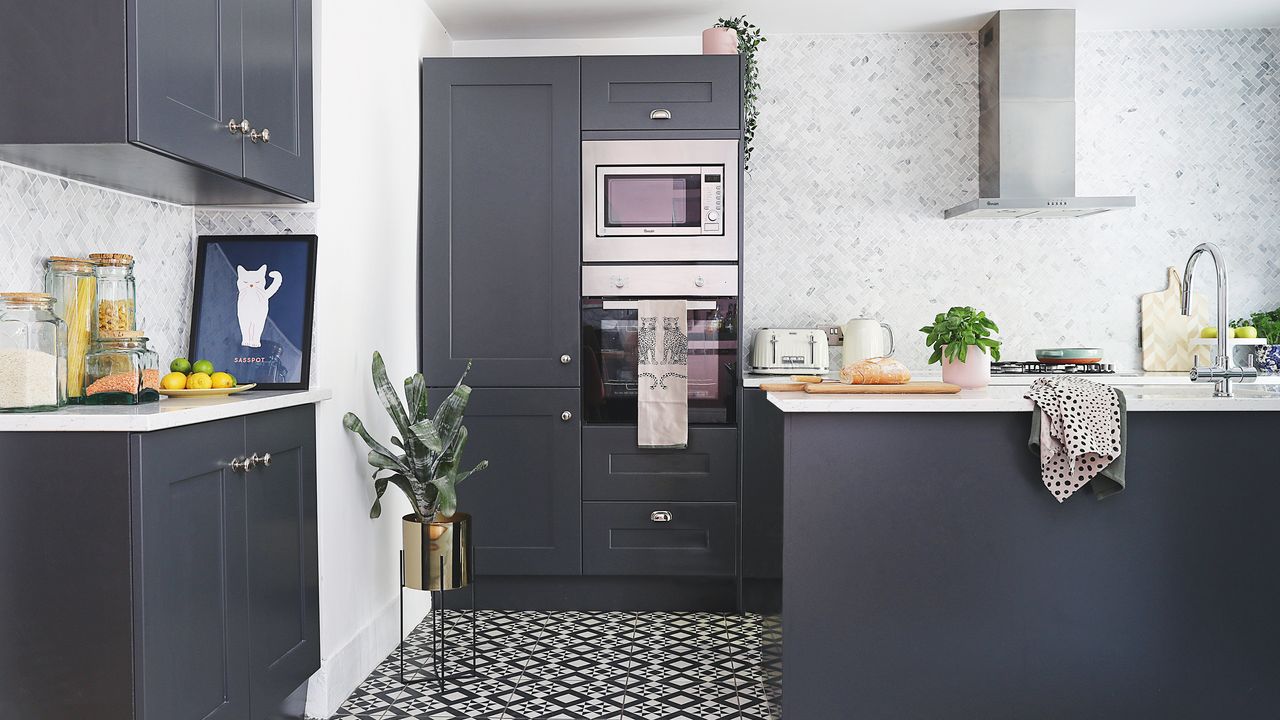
(210, 392)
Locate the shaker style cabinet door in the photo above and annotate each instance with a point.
(191, 640)
(280, 527)
(500, 221)
(277, 95)
(526, 506)
(185, 80)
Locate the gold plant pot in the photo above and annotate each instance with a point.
(437, 555)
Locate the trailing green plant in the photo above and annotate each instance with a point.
(1268, 324)
(749, 39)
(428, 465)
(954, 331)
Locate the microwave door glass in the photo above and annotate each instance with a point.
(653, 201)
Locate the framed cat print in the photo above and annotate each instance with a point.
(252, 309)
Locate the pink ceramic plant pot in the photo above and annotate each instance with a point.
(974, 372)
(719, 41)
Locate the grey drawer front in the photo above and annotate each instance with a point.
(613, 468)
(698, 91)
(622, 538)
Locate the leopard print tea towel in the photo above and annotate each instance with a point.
(663, 372)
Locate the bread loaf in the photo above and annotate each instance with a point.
(875, 371)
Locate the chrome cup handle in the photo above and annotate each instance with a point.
(889, 330)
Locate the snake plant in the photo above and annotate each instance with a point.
(428, 465)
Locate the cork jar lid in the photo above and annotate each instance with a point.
(121, 334)
(25, 298)
(72, 263)
(111, 259)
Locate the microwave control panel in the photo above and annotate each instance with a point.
(712, 200)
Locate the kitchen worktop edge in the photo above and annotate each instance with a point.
(167, 413)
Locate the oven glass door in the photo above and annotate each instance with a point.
(653, 199)
(610, 386)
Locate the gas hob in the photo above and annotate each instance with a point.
(1039, 368)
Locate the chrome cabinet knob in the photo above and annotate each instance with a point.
(565, 359)
(238, 128)
(241, 465)
(619, 281)
(264, 136)
(660, 516)
(566, 416)
(699, 281)
(264, 460)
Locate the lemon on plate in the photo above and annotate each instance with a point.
(222, 380)
(199, 381)
(174, 381)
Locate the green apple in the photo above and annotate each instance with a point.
(1248, 332)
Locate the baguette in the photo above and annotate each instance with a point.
(875, 371)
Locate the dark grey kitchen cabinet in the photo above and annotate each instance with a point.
(281, 565)
(194, 600)
(661, 92)
(150, 578)
(188, 78)
(501, 221)
(190, 101)
(659, 538)
(527, 505)
(278, 95)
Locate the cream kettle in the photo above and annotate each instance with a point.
(866, 338)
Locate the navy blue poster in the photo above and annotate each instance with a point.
(252, 311)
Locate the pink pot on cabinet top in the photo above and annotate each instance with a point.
(719, 41)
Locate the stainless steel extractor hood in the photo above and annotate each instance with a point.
(1027, 120)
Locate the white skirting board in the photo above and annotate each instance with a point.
(343, 669)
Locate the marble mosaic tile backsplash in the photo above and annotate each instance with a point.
(43, 215)
(864, 140)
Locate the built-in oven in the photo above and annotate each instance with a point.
(610, 293)
(659, 200)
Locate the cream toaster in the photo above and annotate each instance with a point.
(784, 351)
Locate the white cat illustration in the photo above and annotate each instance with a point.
(254, 301)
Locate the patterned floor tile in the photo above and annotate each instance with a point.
(581, 666)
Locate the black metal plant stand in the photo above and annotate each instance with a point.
(439, 635)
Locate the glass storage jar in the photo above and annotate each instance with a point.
(116, 295)
(33, 355)
(121, 370)
(71, 282)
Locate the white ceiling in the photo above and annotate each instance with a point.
(503, 19)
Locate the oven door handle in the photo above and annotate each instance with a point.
(635, 305)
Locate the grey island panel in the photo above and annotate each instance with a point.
(929, 574)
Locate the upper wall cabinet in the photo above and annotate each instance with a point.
(501, 221)
(190, 101)
(661, 92)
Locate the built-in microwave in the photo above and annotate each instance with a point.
(659, 200)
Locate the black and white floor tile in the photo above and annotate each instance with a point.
(582, 666)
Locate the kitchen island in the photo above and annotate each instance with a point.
(927, 572)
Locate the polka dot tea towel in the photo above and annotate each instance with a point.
(1078, 428)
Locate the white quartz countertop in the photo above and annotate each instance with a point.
(167, 413)
(1133, 378)
(1007, 398)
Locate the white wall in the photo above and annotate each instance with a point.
(683, 45)
(367, 185)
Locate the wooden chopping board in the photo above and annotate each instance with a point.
(1166, 333)
(911, 388)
